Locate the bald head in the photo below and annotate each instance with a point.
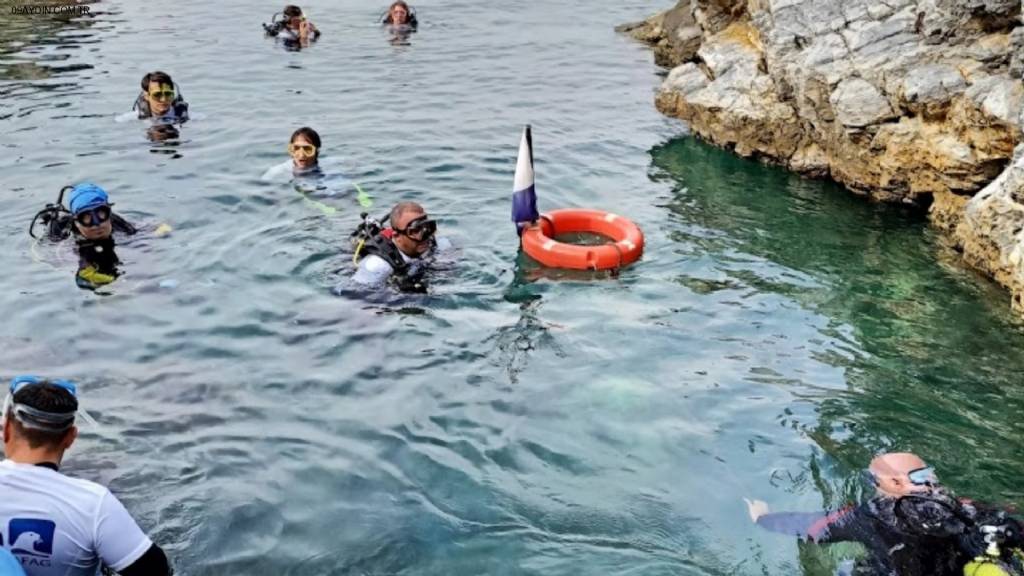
(892, 473)
(405, 212)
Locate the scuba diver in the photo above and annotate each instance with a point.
(291, 25)
(400, 14)
(913, 526)
(160, 100)
(308, 177)
(56, 524)
(399, 255)
(92, 222)
(304, 147)
(401, 22)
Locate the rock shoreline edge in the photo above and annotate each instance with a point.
(916, 102)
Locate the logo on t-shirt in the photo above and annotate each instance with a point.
(30, 537)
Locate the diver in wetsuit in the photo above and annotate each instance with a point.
(92, 222)
(400, 14)
(399, 255)
(400, 20)
(291, 25)
(912, 527)
(160, 100)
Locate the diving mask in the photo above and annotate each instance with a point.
(306, 150)
(923, 477)
(31, 417)
(166, 94)
(422, 228)
(94, 217)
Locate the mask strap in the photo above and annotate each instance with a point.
(40, 420)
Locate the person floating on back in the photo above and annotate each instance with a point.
(91, 221)
(160, 100)
(913, 526)
(399, 255)
(55, 524)
(291, 25)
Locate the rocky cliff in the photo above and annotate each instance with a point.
(910, 101)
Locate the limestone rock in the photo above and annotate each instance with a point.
(1017, 52)
(674, 34)
(908, 101)
(944, 20)
(991, 231)
(858, 103)
(928, 90)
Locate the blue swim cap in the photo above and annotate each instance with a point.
(86, 196)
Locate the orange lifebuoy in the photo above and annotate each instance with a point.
(626, 247)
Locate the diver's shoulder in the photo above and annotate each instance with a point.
(375, 264)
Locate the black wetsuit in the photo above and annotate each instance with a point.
(97, 259)
(911, 536)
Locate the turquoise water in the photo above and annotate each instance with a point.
(515, 421)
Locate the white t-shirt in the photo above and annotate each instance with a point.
(61, 526)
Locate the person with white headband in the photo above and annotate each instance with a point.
(53, 524)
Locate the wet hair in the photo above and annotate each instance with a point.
(411, 15)
(47, 398)
(158, 77)
(310, 135)
(291, 11)
(402, 208)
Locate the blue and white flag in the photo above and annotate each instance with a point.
(524, 195)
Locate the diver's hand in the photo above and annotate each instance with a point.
(756, 508)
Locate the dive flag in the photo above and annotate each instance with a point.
(524, 196)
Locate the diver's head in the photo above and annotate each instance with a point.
(91, 210)
(902, 473)
(293, 17)
(159, 92)
(304, 146)
(413, 228)
(39, 419)
(398, 13)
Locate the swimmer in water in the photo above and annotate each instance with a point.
(91, 221)
(399, 255)
(292, 25)
(308, 177)
(304, 147)
(160, 100)
(913, 526)
(399, 14)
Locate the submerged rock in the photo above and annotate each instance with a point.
(910, 101)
